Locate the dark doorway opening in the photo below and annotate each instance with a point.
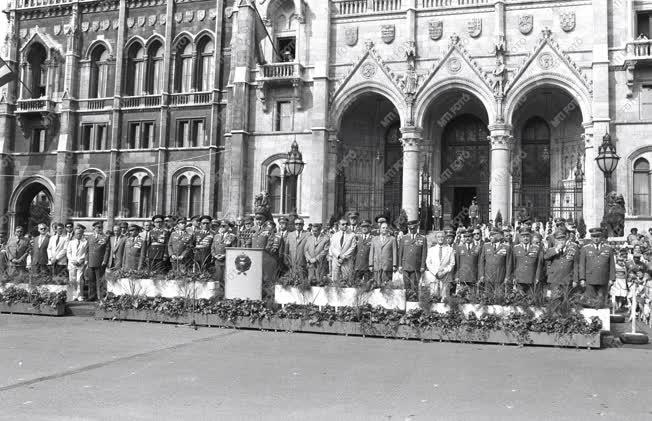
(462, 197)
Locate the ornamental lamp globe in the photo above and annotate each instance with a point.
(294, 163)
(607, 158)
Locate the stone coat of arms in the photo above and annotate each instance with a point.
(388, 33)
(567, 21)
(435, 29)
(242, 264)
(525, 24)
(474, 27)
(151, 20)
(351, 35)
(57, 29)
(201, 14)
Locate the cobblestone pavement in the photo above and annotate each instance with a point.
(83, 369)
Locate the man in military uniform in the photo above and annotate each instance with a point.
(203, 239)
(133, 249)
(180, 247)
(562, 260)
(156, 246)
(315, 250)
(474, 211)
(354, 226)
(478, 241)
(363, 245)
(467, 260)
(221, 241)
(437, 214)
(597, 270)
(528, 262)
(495, 267)
(98, 257)
(412, 253)
(449, 236)
(246, 232)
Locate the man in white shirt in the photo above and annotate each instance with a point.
(439, 263)
(77, 254)
(341, 252)
(57, 249)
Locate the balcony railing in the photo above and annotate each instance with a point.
(440, 4)
(355, 7)
(190, 98)
(38, 105)
(95, 104)
(20, 4)
(143, 101)
(281, 71)
(640, 49)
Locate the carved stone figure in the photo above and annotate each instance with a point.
(499, 74)
(614, 220)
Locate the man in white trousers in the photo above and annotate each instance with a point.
(439, 267)
(77, 254)
(341, 251)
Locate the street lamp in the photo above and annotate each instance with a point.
(607, 160)
(294, 163)
(579, 179)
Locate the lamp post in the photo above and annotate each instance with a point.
(293, 167)
(579, 179)
(607, 161)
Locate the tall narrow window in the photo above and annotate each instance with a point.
(642, 187)
(146, 194)
(133, 141)
(135, 77)
(92, 197)
(155, 71)
(87, 135)
(38, 71)
(183, 134)
(283, 116)
(183, 79)
(139, 195)
(195, 196)
(183, 193)
(206, 66)
(274, 187)
(89, 194)
(100, 137)
(198, 133)
(97, 87)
(148, 136)
(38, 143)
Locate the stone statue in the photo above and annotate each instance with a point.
(261, 205)
(614, 219)
(499, 74)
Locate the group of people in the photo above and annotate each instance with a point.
(350, 250)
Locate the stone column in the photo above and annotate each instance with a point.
(216, 142)
(593, 189)
(411, 139)
(501, 171)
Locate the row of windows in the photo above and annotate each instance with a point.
(138, 197)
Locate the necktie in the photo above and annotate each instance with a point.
(527, 248)
(57, 242)
(342, 241)
(440, 253)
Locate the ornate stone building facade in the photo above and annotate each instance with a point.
(191, 106)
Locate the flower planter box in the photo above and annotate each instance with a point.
(358, 329)
(479, 310)
(26, 308)
(48, 288)
(162, 288)
(393, 299)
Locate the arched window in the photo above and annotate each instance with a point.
(282, 189)
(92, 197)
(641, 187)
(98, 82)
(183, 79)
(188, 194)
(155, 69)
(38, 72)
(206, 65)
(135, 77)
(139, 195)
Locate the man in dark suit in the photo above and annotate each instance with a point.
(383, 256)
(40, 249)
(597, 266)
(363, 246)
(528, 262)
(467, 260)
(562, 261)
(412, 253)
(117, 246)
(98, 257)
(495, 267)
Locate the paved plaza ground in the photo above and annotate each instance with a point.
(83, 369)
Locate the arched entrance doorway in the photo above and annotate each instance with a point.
(456, 143)
(370, 159)
(33, 206)
(547, 130)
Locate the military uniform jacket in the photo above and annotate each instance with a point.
(220, 243)
(495, 263)
(362, 252)
(203, 241)
(157, 245)
(261, 239)
(467, 261)
(597, 265)
(181, 244)
(98, 250)
(562, 267)
(132, 251)
(528, 263)
(473, 211)
(412, 253)
(244, 237)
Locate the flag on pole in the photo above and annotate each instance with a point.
(261, 33)
(6, 74)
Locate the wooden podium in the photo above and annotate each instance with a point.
(245, 272)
